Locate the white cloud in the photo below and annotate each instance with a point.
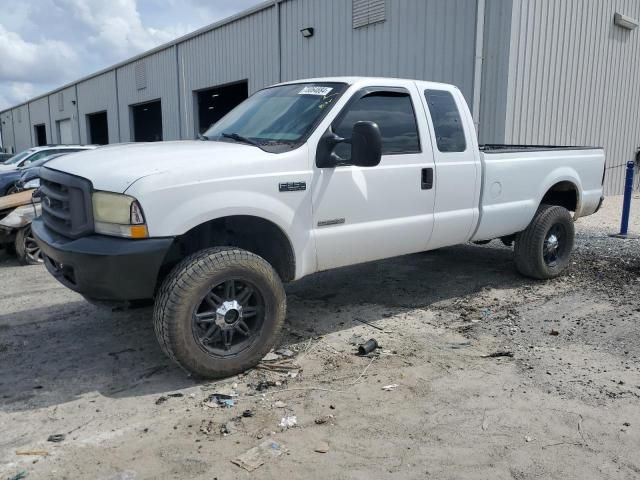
(47, 43)
(33, 61)
(116, 27)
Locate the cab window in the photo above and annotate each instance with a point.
(446, 121)
(394, 114)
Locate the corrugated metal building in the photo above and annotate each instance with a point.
(534, 71)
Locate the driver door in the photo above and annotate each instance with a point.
(368, 213)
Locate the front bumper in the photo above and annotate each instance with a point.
(101, 267)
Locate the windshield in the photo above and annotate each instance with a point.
(16, 158)
(277, 118)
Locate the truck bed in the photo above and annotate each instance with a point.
(517, 177)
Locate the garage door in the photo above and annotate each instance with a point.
(64, 131)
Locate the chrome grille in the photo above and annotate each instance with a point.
(66, 203)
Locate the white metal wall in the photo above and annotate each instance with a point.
(6, 123)
(98, 94)
(21, 128)
(423, 39)
(161, 83)
(68, 109)
(39, 114)
(573, 78)
(245, 49)
(495, 68)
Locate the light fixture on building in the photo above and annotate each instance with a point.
(624, 21)
(307, 32)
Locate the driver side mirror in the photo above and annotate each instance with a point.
(366, 144)
(366, 147)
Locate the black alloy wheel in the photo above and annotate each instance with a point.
(229, 318)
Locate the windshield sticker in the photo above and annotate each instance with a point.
(310, 90)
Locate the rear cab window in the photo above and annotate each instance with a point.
(447, 123)
(391, 110)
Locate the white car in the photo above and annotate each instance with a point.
(26, 157)
(301, 177)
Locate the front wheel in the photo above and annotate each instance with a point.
(543, 249)
(219, 312)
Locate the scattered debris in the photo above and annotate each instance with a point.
(527, 438)
(219, 400)
(265, 385)
(175, 395)
(367, 347)
(280, 404)
(554, 333)
(19, 476)
(57, 438)
(289, 421)
(161, 400)
(247, 413)
(40, 453)
(270, 357)
(115, 354)
(324, 419)
(368, 323)
(207, 427)
(321, 447)
(485, 421)
(389, 388)
(285, 352)
(282, 365)
(227, 429)
(505, 353)
(626, 424)
(257, 456)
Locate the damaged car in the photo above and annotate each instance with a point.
(17, 211)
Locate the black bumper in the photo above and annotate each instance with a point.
(101, 267)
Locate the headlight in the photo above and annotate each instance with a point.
(118, 215)
(33, 183)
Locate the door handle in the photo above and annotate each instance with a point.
(427, 178)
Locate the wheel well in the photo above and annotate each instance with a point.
(257, 235)
(563, 194)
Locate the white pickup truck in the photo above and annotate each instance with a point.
(301, 177)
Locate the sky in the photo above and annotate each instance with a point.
(47, 43)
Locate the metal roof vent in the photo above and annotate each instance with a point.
(141, 75)
(624, 21)
(366, 12)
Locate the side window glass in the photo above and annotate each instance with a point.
(446, 121)
(394, 114)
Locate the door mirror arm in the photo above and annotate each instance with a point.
(325, 156)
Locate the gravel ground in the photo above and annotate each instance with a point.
(560, 401)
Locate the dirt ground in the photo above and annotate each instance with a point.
(565, 405)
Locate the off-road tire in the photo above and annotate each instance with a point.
(24, 241)
(182, 291)
(530, 243)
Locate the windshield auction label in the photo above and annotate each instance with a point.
(310, 90)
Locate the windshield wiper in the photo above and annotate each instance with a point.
(240, 138)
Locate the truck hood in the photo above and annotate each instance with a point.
(115, 168)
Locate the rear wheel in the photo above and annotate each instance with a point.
(219, 312)
(543, 249)
(27, 249)
(13, 189)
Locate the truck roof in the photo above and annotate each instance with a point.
(372, 80)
